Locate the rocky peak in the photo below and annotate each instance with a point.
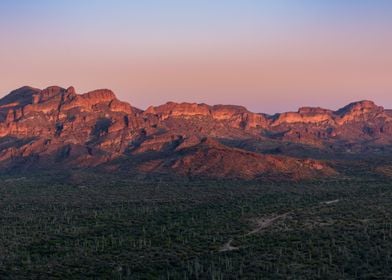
(71, 90)
(49, 93)
(227, 111)
(19, 97)
(313, 110)
(358, 111)
(100, 95)
(54, 102)
(236, 116)
(364, 106)
(88, 100)
(306, 115)
(172, 109)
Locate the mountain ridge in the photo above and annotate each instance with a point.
(57, 127)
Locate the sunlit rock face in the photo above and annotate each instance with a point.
(304, 115)
(58, 126)
(61, 116)
(236, 116)
(172, 109)
(359, 111)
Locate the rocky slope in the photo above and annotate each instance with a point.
(209, 158)
(56, 127)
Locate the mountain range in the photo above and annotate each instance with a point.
(57, 128)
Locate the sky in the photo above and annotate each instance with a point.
(268, 55)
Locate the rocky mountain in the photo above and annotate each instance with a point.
(57, 127)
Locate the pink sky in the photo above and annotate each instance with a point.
(267, 66)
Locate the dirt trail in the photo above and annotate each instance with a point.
(262, 223)
(228, 247)
(330, 202)
(265, 223)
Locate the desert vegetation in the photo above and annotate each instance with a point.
(85, 225)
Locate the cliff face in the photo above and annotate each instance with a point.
(235, 116)
(57, 127)
(64, 125)
(354, 112)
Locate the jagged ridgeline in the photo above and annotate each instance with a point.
(57, 127)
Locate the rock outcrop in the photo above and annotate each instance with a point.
(235, 116)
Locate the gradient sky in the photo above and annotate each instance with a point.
(268, 55)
